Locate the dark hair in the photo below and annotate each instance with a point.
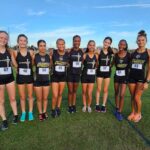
(40, 41)
(60, 39)
(108, 38)
(22, 35)
(125, 42)
(142, 33)
(1, 31)
(88, 44)
(76, 36)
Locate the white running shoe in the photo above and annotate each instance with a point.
(84, 109)
(89, 109)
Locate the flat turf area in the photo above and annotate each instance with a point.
(80, 131)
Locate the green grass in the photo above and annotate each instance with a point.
(80, 131)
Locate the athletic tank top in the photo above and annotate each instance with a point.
(5, 65)
(59, 63)
(89, 68)
(122, 65)
(75, 61)
(104, 62)
(42, 64)
(24, 65)
(138, 65)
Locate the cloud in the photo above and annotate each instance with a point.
(30, 12)
(66, 33)
(123, 6)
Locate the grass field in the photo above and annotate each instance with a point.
(80, 131)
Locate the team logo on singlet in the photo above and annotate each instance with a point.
(138, 56)
(92, 62)
(43, 59)
(120, 61)
(60, 58)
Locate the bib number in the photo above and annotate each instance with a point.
(24, 71)
(60, 68)
(120, 73)
(76, 64)
(91, 72)
(5, 71)
(137, 66)
(104, 68)
(44, 71)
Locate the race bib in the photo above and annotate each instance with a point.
(137, 66)
(91, 72)
(60, 68)
(44, 71)
(5, 70)
(76, 64)
(24, 71)
(104, 68)
(120, 73)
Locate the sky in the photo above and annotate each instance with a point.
(91, 19)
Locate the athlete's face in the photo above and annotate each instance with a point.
(122, 45)
(91, 46)
(3, 39)
(42, 47)
(61, 45)
(76, 42)
(106, 43)
(141, 41)
(22, 42)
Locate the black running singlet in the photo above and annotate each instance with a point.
(138, 65)
(59, 63)
(42, 64)
(75, 61)
(6, 71)
(89, 68)
(24, 70)
(122, 65)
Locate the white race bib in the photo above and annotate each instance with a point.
(5, 70)
(137, 66)
(91, 71)
(76, 64)
(120, 73)
(44, 71)
(60, 68)
(104, 68)
(24, 71)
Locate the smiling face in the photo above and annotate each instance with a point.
(42, 47)
(91, 46)
(106, 43)
(22, 42)
(122, 45)
(141, 41)
(61, 45)
(3, 39)
(76, 42)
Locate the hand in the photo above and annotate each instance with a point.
(145, 86)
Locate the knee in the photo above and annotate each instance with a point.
(137, 98)
(45, 99)
(2, 102)
(122, 96)
(12, 99)
(116, 93)
(70, 91)
(30, 96)
(22, 98)
(105, 90)
(98, 89)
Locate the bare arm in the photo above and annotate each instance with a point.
(13, 54)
